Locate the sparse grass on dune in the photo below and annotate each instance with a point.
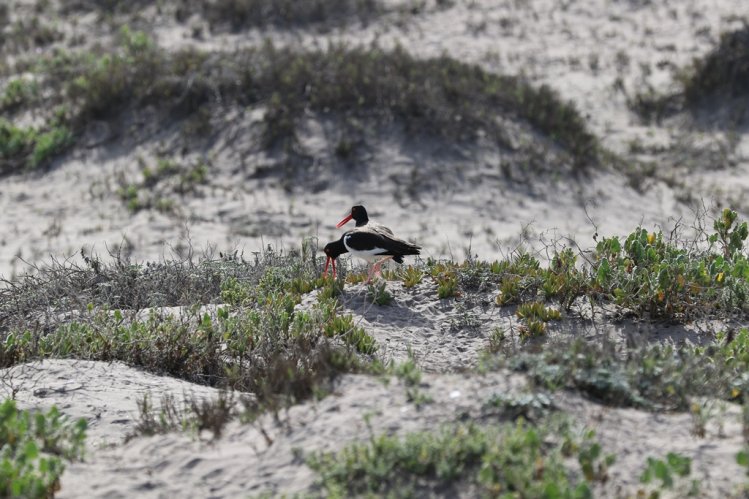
(653, 377)
(645, 276)
(438, 97)
(191, 414)
(238, 14)
(242, 14)
(22, 33)
(497, 460)
(263, 346)
(58, 288)
(724, 72)
(260, 340)
(716, 80)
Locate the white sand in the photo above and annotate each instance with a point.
(445, 337)
(579, 48)
(244, 462)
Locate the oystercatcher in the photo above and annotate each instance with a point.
(359, 214)
(369, 245)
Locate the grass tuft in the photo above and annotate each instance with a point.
(193, 414)
(507, 459)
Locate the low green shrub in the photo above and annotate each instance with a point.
(412, 276)
(651, 276)
(656, 377)
(264, 346)
(18, 92)
(379, 293)
(717, 79)
(724, 71)
(534, 316)
(437, 97)
(669, 472)
(33, 448)
(511, 459)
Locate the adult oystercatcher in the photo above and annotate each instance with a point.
(359, 214)
(369, 245)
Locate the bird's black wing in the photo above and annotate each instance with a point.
(373, 240)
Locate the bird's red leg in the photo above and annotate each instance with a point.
(378, 266)
(333, 269)
(325, 272)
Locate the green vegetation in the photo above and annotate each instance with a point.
(742, 458)
(17, 93)
(446, 277)
(259, 343)
(505, 460)
(529, 406)
(649, 275)
(343, 326)
(644, 274)
(239, 14)
(159, 186)
(656, 377)
(193, 415)
(412, 276)
(723, 72)
(459, 99)
(535, 316)
(379, 293)
(438, 97)
(668, 470)
(716, 80)
(410, 375)
(33, 448)
(30, 147)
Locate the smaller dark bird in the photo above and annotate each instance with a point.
(369, 245)
(333, 251)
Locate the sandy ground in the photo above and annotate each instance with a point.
(588, 50)
(580, 48)
(266, 457)
(445, 338)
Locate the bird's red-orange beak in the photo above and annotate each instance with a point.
(344, 221)
(327, 262)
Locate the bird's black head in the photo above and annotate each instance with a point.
(359, 214)
(335, 249)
